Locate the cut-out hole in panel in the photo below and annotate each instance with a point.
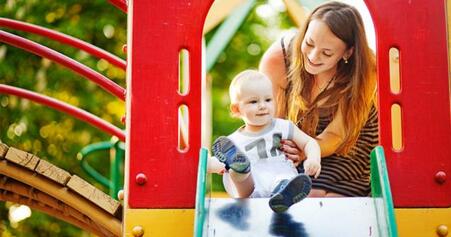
(183, 128)
(396, 127)
(184, 72)
(395, 83)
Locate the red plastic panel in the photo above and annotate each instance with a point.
(418, 29)
(157, 31)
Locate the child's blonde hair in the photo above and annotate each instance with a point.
(242, 78)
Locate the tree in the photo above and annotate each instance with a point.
(50, 134)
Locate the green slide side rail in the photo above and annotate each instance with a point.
(380, 188)
(201, 194)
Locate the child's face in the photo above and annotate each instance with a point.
(256, 103)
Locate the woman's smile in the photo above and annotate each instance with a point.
(310, 63)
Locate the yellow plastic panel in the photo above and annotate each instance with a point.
(219, 10)
(422, 222)
(296, 11)
(160, 222)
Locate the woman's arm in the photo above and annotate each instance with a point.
(333, 135)
(329, 141)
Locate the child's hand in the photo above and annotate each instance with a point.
(312, 167)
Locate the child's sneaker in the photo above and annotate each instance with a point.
(289, 192)
(226, 152)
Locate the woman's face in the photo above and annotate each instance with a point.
(322, 50)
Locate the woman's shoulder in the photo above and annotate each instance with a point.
(273, 62)
(288, 38)
(275, 54)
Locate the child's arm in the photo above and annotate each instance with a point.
(312, 151)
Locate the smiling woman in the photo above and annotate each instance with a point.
(324, 79)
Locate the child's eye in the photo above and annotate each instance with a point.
(253, 102)
(268, 100)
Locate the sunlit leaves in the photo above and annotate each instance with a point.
(49, 134)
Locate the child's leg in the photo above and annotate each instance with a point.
(289, 192)
(238, 165)
(244, 183)
(229, 154)
(215, 166)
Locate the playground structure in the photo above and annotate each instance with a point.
(417, 168)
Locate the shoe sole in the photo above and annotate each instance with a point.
(226, 152)
(281, 201)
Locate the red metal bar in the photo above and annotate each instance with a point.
(65, 39)
(121, 4)
(66, 108)
(62, 59)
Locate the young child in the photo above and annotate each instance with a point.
(255, 165)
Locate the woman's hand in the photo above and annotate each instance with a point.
(292, 152)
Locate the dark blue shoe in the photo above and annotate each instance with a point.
(289, 192)
(226, 152)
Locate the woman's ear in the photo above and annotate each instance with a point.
(235, 110)
(348, 53)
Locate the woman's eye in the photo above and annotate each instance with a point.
(308, 44)
(327, 55)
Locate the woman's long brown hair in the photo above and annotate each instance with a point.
(353, 88)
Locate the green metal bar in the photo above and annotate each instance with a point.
(87, 168)
(226, 31)
(117, 149)
(116, 163)
(380, 188)
(201, 208)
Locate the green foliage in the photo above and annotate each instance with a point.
(50, 134)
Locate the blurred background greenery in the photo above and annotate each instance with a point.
(57, 137)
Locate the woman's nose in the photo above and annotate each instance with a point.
(313, 55)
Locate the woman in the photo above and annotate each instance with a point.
(324, 80)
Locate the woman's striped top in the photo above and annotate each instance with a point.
(349, 174)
